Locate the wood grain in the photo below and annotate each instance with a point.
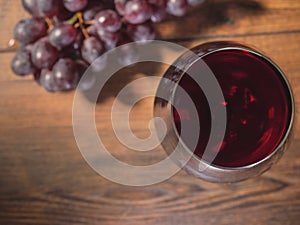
(44, 179)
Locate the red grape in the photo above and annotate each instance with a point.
(62, 35)
(65, 74)
(137, 11)
(44, 55)
(92, 48)
(21, 63)
(48, 82)
(30, 30)
(108, 20)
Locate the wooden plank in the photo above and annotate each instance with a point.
(56, 187)
(44, 179)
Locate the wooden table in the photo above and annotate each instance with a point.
(45, 180)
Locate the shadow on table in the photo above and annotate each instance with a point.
(122, 78)
(210, 15)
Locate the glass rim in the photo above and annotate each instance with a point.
(284, 81)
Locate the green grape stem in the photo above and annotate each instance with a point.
(81, 25)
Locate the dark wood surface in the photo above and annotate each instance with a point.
(44, 179)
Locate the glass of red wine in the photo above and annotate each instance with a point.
(228, 110)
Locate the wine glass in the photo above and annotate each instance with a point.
(228, 111)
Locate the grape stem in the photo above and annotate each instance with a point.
(73, 19)
(90, 22)
(49, 23)
(81, 25)
(76, 25)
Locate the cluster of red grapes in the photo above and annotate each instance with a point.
(64, 37)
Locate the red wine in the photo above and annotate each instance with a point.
(257, 102)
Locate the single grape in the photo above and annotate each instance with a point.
(65, 74)
(141, 32)
(47, 81)
(108, 20)
(43, 54)
(137, 11)
(91, 49)
(110, 39)
(62, 35)
(75, 5)
(92, 52)
(195, 2)
(30, 30)
(21, 64)
(177, 7)
(42, 8)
